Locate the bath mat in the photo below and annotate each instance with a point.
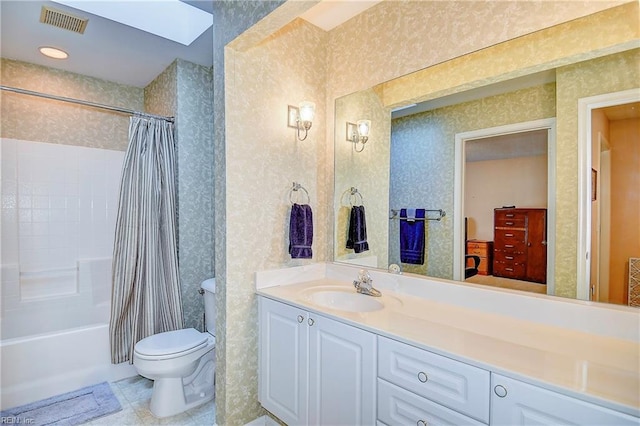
(72, 408)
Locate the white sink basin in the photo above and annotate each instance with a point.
(346, 299)
(343, 301)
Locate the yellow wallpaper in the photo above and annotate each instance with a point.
(395, 38)
(43, 120)
(263, 159)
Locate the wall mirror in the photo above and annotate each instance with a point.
(462, 156)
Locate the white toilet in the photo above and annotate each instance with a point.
(181, 363)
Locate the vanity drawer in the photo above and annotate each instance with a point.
(456, 385)
(397, 406)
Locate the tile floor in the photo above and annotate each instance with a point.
(134, 394)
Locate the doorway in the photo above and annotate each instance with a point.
(493, 170)
(609, 179)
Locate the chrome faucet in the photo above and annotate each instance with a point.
(364, 284)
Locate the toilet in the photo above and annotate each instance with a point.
(181, 363)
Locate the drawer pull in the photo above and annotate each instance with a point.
(310, 321)
(300, 318)
(508, 235)
(422, 376)
(500, 390)
(510, 215)
(421, 423)
(508, 269)
(508, 223)
(509, 257)
(509, 245)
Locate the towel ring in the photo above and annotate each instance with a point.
(353, 196)
(296, 187)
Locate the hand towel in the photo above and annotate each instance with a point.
(412, 236)
(357, 239)
(300, 231)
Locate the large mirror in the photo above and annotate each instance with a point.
(486, 168)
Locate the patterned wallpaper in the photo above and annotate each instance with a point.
(42, 120)
(184, 90)
(260, 79)
(422, 161)
(395, 38)
(263, 158)
(603, 75)
(368, 171)
(236, 334)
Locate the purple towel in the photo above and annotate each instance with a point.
(357, 239)
(412, 237)
(300, 231)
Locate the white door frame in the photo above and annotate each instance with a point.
(585, 108)
(458, 201)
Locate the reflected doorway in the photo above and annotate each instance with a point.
(506, 172)
(615, 202)
(512, 169)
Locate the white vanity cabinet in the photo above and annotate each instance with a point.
(516, 403)
(419, 387)
(314, 370)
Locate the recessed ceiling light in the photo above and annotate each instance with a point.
(54, 53)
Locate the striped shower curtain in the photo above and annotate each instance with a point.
(145, 296)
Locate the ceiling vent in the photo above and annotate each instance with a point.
(63, 20)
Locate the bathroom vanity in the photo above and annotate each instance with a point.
(435, 351)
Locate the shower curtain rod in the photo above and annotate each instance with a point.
(81, 102)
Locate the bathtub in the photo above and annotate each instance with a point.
(45, 365)
(53, 345)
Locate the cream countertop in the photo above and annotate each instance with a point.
(593, 367)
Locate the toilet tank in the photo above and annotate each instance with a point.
(209, 287)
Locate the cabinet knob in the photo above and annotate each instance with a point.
(310, 321)
(300, 318)
(421, 423)
(422, 376)
(500, 390)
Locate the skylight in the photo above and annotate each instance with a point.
(170, 19)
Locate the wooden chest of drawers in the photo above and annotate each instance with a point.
(484, 249)
(520, 246)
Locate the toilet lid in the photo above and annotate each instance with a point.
(171, 342)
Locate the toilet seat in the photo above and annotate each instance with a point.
(171, 344)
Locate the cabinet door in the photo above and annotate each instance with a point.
(537, 246)
(517, 403)
(284, 342)
(342, 374)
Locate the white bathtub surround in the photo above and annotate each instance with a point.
(58, 211)
(584, 350)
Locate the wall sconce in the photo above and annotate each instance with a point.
(358, 133)
(301, 117)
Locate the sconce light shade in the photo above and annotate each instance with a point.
(301, 118)
(364, 126)
(358, 133)
(307, 111)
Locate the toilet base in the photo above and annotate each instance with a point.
(175, 395)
